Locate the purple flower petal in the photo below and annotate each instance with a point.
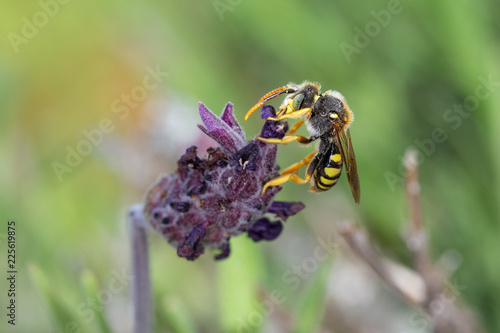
(220, 131)
(198, 189)
(246, 157)
(228, 117)
(224, 253)
(191, 248)
(284, 209)
(264, 229)
(180, 206)
(267, 111)
(188, 161)
(239, 186)
(272, 129)
(215, 157)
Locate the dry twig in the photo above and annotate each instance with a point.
(430, 291)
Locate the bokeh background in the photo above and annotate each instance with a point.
(415, 74)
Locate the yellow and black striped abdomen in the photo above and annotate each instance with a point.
(327, 171)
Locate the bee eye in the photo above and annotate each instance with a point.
(297, 101)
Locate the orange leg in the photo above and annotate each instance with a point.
(283, 179)
(295, 167)
(295, 127)
(295, 114)
(290, 174)
(288, 139)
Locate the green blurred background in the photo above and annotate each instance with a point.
(413, 72)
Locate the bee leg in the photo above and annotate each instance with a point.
(294, 114)
(295, 167)
(289, 138)
(283, 179)
(290, 174)
(295, 127)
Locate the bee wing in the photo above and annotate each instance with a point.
(344, 138)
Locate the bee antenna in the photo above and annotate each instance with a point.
(270, 95)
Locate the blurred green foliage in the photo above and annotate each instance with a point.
(405, 74)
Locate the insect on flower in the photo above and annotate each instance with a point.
(327, 117)
(210, 199)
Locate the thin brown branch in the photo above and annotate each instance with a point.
(446, 313)
(417, 240)
(359, 241)
(413, 190)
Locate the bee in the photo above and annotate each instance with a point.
(327, 117)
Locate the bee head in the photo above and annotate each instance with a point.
(300, 96)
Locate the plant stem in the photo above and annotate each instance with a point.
(141, 286)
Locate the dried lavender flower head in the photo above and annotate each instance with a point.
(209, 200)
